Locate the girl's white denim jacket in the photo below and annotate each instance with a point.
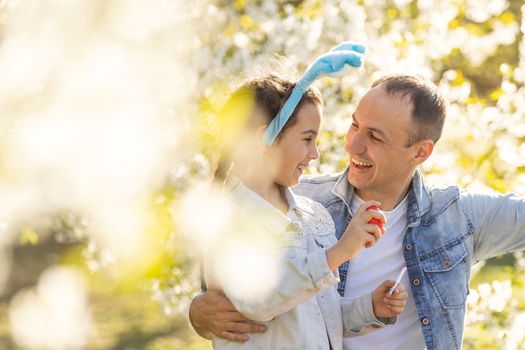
(301, 309)
(448, 231)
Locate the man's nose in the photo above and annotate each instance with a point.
(354, 144)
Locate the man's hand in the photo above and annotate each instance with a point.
(386, 306)
(212, 313)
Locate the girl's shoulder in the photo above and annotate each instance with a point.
(315, 216)
(309, 205)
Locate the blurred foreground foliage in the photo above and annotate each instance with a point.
(474, 50)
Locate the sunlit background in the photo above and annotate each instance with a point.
(107, 131)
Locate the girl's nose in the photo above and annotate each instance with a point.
(314, 153)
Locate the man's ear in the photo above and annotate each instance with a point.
(260, 140)
(423, 150)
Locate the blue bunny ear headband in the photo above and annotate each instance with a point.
(328, 64)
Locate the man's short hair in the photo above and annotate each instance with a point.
(429, 108)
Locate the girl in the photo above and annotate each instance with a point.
(278, 262)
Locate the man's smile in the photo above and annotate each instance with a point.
(360, 164)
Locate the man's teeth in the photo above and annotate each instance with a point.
(362, 164)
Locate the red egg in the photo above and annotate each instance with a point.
(374, 220)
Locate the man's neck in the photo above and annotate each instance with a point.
(389, 199)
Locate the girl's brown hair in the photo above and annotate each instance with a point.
(268, 93)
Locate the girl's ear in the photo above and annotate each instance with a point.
(260, 140)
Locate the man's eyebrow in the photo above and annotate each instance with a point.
(379, 131)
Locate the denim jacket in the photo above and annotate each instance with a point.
(448, 230)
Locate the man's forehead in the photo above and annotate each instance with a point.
(398, 98)
(366, 122)
(382, 103)
(389, 113)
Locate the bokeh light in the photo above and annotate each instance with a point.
(55, 314)
(109, 135)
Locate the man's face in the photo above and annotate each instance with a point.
(380, 163)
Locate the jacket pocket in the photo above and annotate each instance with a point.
(448, 272)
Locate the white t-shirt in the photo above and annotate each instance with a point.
(369, 269)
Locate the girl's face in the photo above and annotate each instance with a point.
(292, 152)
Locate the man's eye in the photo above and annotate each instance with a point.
(354, 125)
(375, 138)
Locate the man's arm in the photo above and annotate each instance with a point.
(211, 313)
(498, 222)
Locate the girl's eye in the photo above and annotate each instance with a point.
(308, 140)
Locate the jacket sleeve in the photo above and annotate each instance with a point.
(358, 316)
(497, 222)
(300, 278)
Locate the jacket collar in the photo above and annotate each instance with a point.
(270, 217)
(418, 195)
(343, 190)
(418, 199)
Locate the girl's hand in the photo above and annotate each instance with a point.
(389, 305)
(359, 233)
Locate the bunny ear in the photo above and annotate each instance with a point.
(338, 60)
(331, 63)
(350, 46)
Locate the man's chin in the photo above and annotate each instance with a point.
(357, 181)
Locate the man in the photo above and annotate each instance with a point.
(438, 234)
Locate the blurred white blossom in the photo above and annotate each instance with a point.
(91, 125)
(55, 314)
(100, 100)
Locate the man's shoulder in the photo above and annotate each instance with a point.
(442, 197)
(311, 206)
(317, 187)
(444, 192)
(319, 179)
(460, 194)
